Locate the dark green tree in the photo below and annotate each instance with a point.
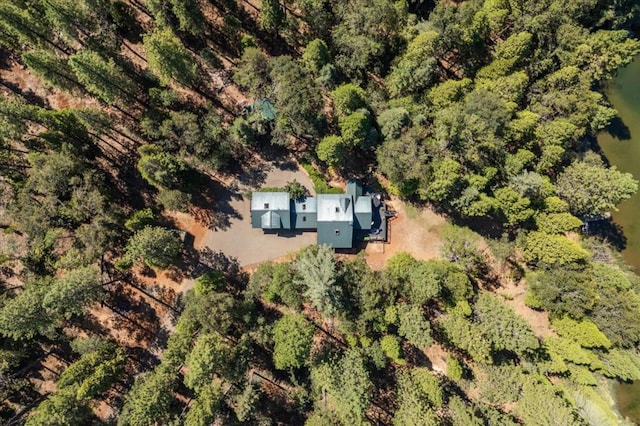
(156, 247)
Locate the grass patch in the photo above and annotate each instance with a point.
(412, 211)
(320, 185)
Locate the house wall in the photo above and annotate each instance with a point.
(327, 234)
(304, 220)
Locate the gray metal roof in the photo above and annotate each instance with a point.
(335, 208)
(270, 220)
(354, 188)
(363, 204)
(306, 205)
(270, 201)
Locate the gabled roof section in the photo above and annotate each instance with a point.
(265, 108)
(270, 201)
(270, 220)
(363, 204)
(335, 208)
(354, 188)
(306, 205)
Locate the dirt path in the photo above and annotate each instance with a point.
(515, 296)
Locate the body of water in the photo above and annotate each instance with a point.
(621, 146)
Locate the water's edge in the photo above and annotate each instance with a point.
(621, 146)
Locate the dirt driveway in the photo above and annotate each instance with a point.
(250, 245)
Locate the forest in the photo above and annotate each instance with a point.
(115, 113)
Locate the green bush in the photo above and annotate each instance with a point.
(320, 186)
(139, 219)
(454, 368)
(391, 348)
(210, 281)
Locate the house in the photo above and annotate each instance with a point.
(271, 210)
(339, 219)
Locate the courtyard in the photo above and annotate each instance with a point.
(237, 239)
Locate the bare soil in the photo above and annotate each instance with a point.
(514, 297)
(418, 235)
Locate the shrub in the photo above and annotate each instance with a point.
(139, 219)
(454, 368)
(295, 189)
(391, 348)
(320, 186)
(174, 199)
(208, 282)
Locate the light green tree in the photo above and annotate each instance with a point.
(271, 15)
(149, 399)
(316, 55)
(413, 326)
(591, 188)
(203, 410)
(419, 394)
(293, 336)
(347, 384)
(168, 58)
(102, 78)
(553, 249)
(348, 98)
(70, 294)
(505, 329)
(417, 67)
(54, 70)
(316, 268)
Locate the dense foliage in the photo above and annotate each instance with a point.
(116, 114)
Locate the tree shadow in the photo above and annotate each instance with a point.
(5, 58)
(609, 231)
(250, 170)
(619, 130)
(211, 201)
(287, 165)
(487, 226)
(206, 260)
(415, 356)
(29, 95)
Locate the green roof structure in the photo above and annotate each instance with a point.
(341, 220)
(264, 107)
